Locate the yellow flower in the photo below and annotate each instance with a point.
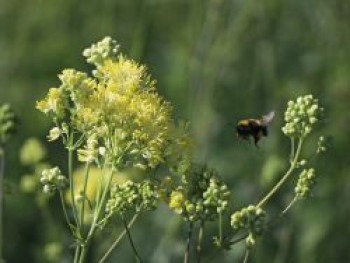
(121, 106)
(55, 103)
(176, 200)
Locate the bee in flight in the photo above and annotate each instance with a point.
(256, 128)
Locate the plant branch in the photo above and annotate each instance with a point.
(199, 244)
(96, 217)
(118, 239)
(70, 175)
(84, 195)
(76, 253)
(137, 257)
(188, 243)
(289, 206)
(246, 255)
(220, 228)
(65, 212)
(284, 178)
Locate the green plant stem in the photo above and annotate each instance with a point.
(289, 206)
(2, 174)
(118, 239)
(82, 211)
(220, 228)
(284, 178)
(246, 255)
(188, 243)
(83, 253)
(94, 224)
(65, 212)
(137, 257)
(76, 254)
(199, 244)
(292, 145)
(236, 241)
(70, 175)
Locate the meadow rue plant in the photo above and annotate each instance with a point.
(301, 118)
(113, 120)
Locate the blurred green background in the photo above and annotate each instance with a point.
(217, 61)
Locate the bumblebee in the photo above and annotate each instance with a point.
(256, 128)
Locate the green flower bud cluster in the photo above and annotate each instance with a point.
(102, 50)
(52, 180)
(201, 196)
(251, 218)
(216, 196)
(7, 123)
(132, 197)
(305, 183)
(301, 116)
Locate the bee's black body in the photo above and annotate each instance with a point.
(256, 128)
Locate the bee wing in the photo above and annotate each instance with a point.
(268, 117)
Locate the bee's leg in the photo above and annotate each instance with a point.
(256, 140)
(265, 131)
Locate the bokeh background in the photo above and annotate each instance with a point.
(216, 61)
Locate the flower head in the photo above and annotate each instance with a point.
(251, 218)
(130, 196)
(301, 116)
(201, 194)
(119, 105)
(52, 180)
(107, 48)
(305, 184)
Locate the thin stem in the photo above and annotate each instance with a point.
(137, 257)
(289, 206)
(96, 215)
(70, 174)
(199, 244)
(188, 243)
(65, 212)
(103, 197)
(239, 240)
(82, 211)
(246, 255)
(118, 239)
(2, 174)
(76, 254)
(104, 220)
(284, 178)
(83, 253)
(292, 146)
(220, 228)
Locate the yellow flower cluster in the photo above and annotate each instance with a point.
(176, 201)
(120, 105)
